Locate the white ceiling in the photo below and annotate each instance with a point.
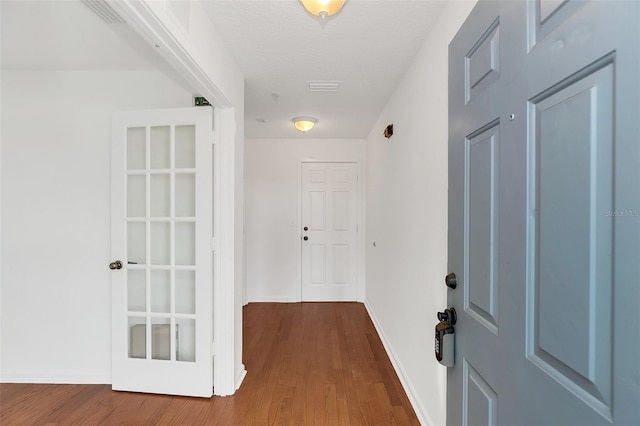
(67, 35)
(278, 46)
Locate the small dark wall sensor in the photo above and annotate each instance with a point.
(388, 131)
(200, 101)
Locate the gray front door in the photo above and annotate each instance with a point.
(544, 214)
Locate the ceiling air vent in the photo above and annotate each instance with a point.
(104, 11)
(323, 86)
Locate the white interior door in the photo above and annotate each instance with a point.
(544, 214)
(329, 231)
(161, 250)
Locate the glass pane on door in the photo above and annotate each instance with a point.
(136, 198)
(137, 327)
(136, 148)
(160, 243)
(186, 339)
(160, 147)
(185, 195)
(185, 292)
(186, 147)
(136, 290)
(185, 238)
(160, 291)
(137, 242)
(161, 338)
(161, 195)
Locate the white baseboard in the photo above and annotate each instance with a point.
(240, 375)
(423, 417)
(56, 378)
(273, 299)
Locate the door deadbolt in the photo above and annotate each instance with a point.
(115, 265)
(451, 281)
(306, 228)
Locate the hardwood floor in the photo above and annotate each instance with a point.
(307, 363)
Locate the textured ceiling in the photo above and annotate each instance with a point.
(278, 46)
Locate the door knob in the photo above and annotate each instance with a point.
(451, 281)
(306, 228)
(449, 315)
(115, 265)
(305, 238)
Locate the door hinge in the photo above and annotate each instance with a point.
(214, 138)
(214, 244)
(213, 348)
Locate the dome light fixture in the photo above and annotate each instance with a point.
(304, 124)
(323, 8)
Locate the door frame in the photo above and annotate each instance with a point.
(157, 28)
(360, 224)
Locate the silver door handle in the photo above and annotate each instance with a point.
(115, 265)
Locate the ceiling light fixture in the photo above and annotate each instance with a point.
(304, 124)
(323, 8)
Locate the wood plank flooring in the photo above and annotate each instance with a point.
(307, 363)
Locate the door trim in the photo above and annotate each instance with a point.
(360, 226)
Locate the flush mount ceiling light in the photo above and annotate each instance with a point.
(304, 124)
(323, 8)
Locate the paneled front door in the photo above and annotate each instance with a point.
(544, 214)
(329, 231)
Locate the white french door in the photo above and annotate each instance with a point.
(329, 231)
(162, 189)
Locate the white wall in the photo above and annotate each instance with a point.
(55, 174)
(407, 218)
(272, 191)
